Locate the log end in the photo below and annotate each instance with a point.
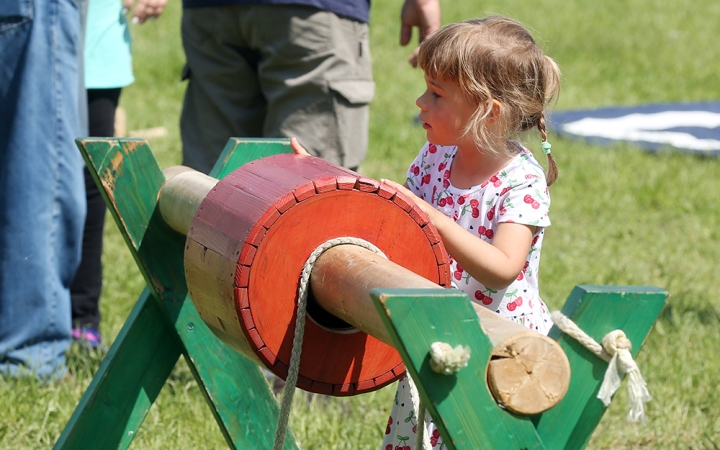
(528, 373)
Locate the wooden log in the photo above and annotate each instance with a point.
(181, 196)
(528, 373)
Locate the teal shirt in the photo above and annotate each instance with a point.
(108, 62)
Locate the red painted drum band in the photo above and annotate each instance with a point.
(247, 246)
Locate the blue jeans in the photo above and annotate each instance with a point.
(42, 197)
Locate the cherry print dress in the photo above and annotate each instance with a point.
(518, 193)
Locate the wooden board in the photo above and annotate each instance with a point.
(597, 310)
(464, 411)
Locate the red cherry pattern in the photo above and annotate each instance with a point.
(531, 201)
(458, 272)
(485, 299)
(434, 438)
(514, 304)
(488, 233)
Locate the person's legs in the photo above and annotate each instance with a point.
(275, 71)
(87, 284)
(223, 98)
(42, 205)
(316, 76)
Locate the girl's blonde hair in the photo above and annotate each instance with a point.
(495, 58)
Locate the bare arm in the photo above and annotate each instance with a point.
(495, 265)
(423, 14)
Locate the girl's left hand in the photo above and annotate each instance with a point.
(422, 204)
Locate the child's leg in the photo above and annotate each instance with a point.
(87, 284)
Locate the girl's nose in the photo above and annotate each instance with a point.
(420, 102)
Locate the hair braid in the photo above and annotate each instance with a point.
(552, 172)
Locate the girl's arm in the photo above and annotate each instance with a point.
(495, 265)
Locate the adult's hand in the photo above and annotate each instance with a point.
(144, 9)
(423, 14)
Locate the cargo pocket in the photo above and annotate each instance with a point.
(14, 13)
(352, 118)
(356, 92)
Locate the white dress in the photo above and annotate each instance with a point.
(518, 193)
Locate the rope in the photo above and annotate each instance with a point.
(446, 360)
(615, 350)
(291, 381)
(423, 440)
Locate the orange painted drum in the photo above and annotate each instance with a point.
(250, 239)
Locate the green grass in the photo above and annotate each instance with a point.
(620, 216)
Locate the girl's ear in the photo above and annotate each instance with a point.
(495, 110)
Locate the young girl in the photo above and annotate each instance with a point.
(486, 194)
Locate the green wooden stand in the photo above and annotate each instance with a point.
(462, 407)
(164, 324)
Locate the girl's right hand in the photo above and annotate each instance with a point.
(297, 148)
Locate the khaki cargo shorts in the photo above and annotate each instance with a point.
(275, 71)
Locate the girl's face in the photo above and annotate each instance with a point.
(444, 111)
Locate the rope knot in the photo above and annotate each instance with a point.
(447, 360)
(615, 350)
(615, 341)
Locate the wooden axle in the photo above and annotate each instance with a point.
(245, 250)
(528, 373)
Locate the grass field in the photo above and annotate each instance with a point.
(620, 216)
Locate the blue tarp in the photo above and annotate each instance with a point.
(686, 127)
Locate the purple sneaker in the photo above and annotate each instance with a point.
(89, 336)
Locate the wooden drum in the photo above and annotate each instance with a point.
(248, 243)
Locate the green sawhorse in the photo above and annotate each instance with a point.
(164, 324)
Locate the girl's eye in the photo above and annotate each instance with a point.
(435, 95)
